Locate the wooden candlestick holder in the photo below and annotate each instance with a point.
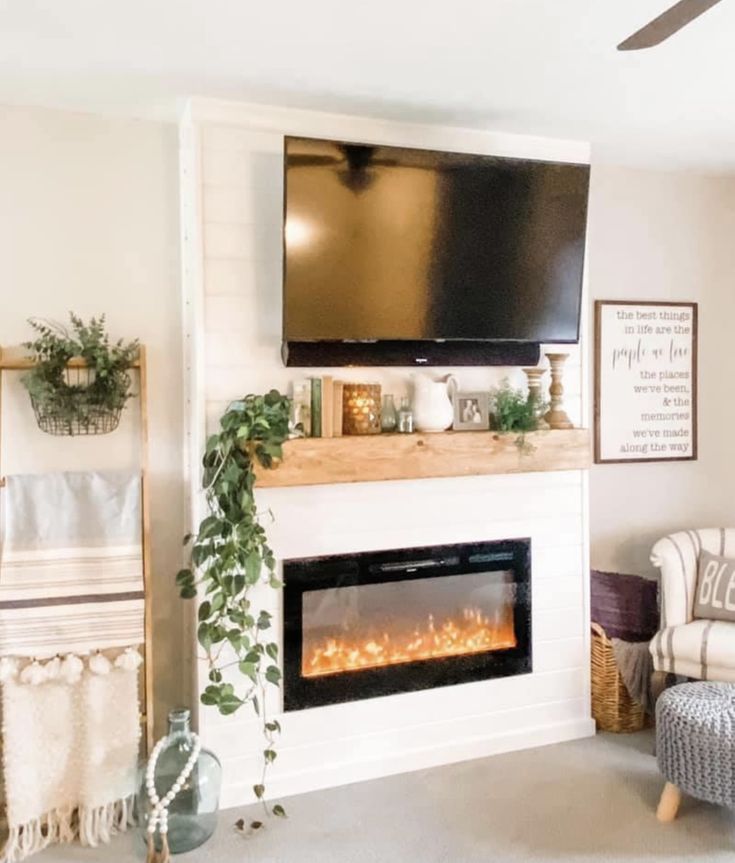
(534, 375)
(556, 416)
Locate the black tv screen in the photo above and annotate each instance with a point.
(388, 243)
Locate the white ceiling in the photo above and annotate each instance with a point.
(546, 67)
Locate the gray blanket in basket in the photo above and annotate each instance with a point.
(635, 664)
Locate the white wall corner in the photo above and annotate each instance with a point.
(193, 346)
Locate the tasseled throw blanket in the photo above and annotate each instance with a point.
(71, 622)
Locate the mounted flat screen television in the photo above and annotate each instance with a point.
(396, 250)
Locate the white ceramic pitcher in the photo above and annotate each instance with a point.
(432, 403)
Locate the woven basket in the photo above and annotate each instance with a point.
(79, 415)
(612, 707)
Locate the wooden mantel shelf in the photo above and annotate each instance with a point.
(371, 458)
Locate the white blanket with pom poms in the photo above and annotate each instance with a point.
(71, 619)
(69, 752)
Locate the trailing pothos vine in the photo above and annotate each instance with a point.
(231, 560)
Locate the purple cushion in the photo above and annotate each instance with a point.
(625, 606)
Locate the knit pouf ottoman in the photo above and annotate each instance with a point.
(695, 744)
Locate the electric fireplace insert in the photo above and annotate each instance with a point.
(370, 624)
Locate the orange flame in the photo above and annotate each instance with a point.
(471, 632)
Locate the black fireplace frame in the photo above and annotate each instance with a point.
(318, 573)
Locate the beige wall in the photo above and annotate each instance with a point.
(666, 236)
(89, 223)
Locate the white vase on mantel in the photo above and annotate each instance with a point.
(432, 404)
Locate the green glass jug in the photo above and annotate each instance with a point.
(192, 813)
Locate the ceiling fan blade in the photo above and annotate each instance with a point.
(668, 23)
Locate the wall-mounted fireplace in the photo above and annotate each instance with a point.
(364, 625)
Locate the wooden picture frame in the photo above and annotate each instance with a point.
(645, 407)
(478, 405)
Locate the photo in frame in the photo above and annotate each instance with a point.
(645, 381)
(471, 411)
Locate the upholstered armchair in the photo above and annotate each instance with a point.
(700, 649)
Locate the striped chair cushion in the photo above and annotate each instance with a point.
(703, 649)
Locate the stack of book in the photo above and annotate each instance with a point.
(317, 404)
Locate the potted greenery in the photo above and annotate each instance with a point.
(512, 410)
(79, 382)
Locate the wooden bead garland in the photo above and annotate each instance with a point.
(158, 819)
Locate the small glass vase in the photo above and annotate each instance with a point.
(388, 415)
(405, 417)
(192, 814)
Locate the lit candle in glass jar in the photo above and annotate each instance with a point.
(361, 409)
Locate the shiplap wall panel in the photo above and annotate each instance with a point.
(408, 711)
(241, 189)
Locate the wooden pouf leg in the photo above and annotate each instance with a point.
(668, 805)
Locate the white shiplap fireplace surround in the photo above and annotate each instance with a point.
(232, 200)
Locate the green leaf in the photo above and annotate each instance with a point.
(184, 577)
(229, 703)
(269, 755)
(205, 609)
(211, 696)
(273, 674)
(259, 791)
(253, 564)
(218, 602)
(204, 635)
(209, 526)
(217, 634)
(249, 670)
(272, 650)
(279, 811)
(273, 725)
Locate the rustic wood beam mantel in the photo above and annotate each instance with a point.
(373, 458)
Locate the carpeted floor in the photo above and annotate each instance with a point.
(590, 800)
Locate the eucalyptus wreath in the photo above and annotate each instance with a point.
(230, 560)
(105, 385)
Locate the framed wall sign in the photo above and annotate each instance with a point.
(645, 381)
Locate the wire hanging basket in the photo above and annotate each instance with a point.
(77, 410)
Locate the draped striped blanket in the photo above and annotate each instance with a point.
(72, 567)
(71, 619)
